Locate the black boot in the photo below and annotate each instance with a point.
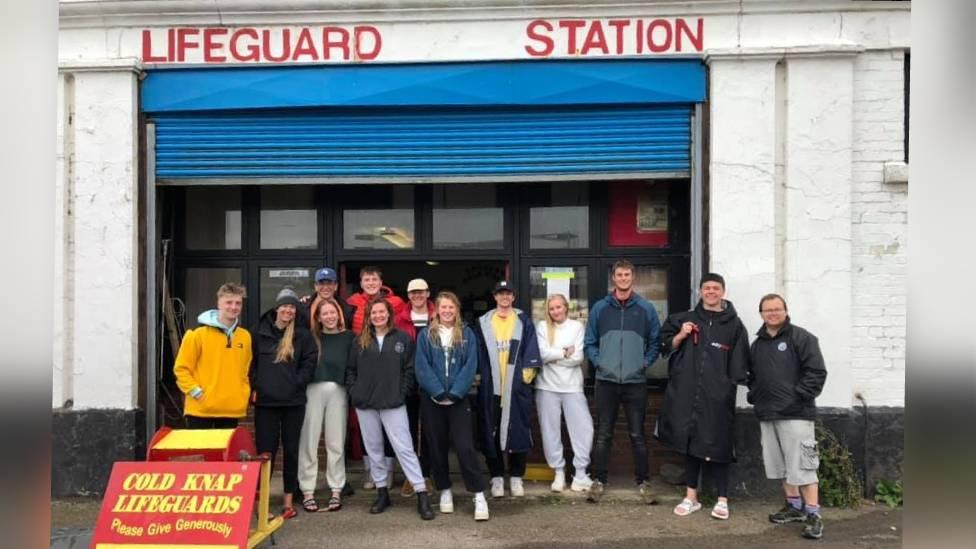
(423, 506)
(382, 501)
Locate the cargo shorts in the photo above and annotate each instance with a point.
(790, 450)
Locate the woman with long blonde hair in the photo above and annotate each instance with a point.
(559, 391)
(447, 361)
(327, 406)
(283, 364)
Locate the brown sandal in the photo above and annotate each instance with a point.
(334, 503)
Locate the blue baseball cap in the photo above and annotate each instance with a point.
(326, 274)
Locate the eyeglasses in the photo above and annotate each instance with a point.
(773, 311)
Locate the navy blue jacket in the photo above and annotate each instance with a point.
(446, 382)
(622, 341)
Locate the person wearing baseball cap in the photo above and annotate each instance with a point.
(508, 361)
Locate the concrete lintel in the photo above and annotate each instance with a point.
(895, 172)
(124, 64)
(815, 50)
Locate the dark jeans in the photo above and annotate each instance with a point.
(720, 474)
(197, 422)
(413, 418)
(609, 397)
(516, 461)
(274, 424)
(444, 425)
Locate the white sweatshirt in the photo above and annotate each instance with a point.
(561, 375)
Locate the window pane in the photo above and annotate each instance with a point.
(562, 219)
(213, 219)
(468, 216)
(639, 214)
(568, 281)
(387, 225)
(200, 291)
(273, 279)
(289, 219)
(651, 282)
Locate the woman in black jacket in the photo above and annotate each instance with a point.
(379, 376)
(283, 364)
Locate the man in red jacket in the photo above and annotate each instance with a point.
(371, 286)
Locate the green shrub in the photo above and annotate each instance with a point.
(840, 485)
(889, 493)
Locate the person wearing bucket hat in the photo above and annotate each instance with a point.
(285, 358)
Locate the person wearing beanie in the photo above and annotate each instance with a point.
(285, 358)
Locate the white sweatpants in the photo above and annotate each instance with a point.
(326, 406)
(394, 421)
(551, 406)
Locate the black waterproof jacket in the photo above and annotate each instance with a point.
(698, 415)
(379, 379)
(788, 373)
(283, 383)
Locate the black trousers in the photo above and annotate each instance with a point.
(720, 474)
(516, 460)
(414, 419)
(197, 422)
(444, 425)
(280, 424)
(609, 397)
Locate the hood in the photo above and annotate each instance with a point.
(211, 318)
(727, 314)
(405, 313)
(763, 334)
(266, 324)
(634, 299)
(361, 299)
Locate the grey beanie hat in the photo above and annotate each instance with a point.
(287, 296)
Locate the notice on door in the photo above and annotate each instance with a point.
(175, 504)
(557, 281)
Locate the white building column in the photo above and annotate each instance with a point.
(817, 261)
(96, 338)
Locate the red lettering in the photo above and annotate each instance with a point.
(342, 42)
(253, 51)
(640, 36)
(547, 45)
(682, 29)
(595, 39)
(184, 43)
(209, 45)
(361, 52)
(571, 26)
(285, 46)
(619, 25)
(658, 47)
(305, 46)
(171, 44)
(147, 55)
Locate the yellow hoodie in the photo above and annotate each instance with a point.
(214, 359)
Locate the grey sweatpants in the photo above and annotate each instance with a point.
(326, 406)
(394, 421)
(551, 407)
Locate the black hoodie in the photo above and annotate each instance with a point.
(282, 383)
(787, 374)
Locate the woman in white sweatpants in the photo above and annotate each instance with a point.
(559, 391)
(327, 405)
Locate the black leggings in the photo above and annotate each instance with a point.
(280, 424)
(720, 474)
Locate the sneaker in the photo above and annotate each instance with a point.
(559, 483)
(369, 484)
(721, 510)
(595, 492)
(497, 487)
(518, 490)
(814, 527)
(407, 489)
(787, 514)
(581, 484)
(447, 501)
(644, 489)
(687, 507)
(480, 507)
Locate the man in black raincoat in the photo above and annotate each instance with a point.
(709, 351)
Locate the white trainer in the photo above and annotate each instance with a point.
(517, 489)
(559, 482)
(447, 501)
(497, 487)
(581, 484)
(480, 506)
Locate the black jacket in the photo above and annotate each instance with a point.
(283, 383)
(788, 373)
(698, 415)
(379, 379)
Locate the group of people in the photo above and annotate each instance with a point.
(421, 381)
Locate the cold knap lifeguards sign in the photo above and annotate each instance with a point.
(177, 504)
(538, 38)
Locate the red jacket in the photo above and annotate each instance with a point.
(360, 300)
(405, 324)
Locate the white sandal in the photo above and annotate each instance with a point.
(721, 510)
(687, 507)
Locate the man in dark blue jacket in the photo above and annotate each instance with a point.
(621, 343)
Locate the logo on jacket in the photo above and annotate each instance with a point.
(721, 346)
(781, 346)
(240, 345)
(399, 348)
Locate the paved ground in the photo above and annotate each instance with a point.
(543, 520)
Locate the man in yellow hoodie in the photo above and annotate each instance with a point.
(212, 365)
